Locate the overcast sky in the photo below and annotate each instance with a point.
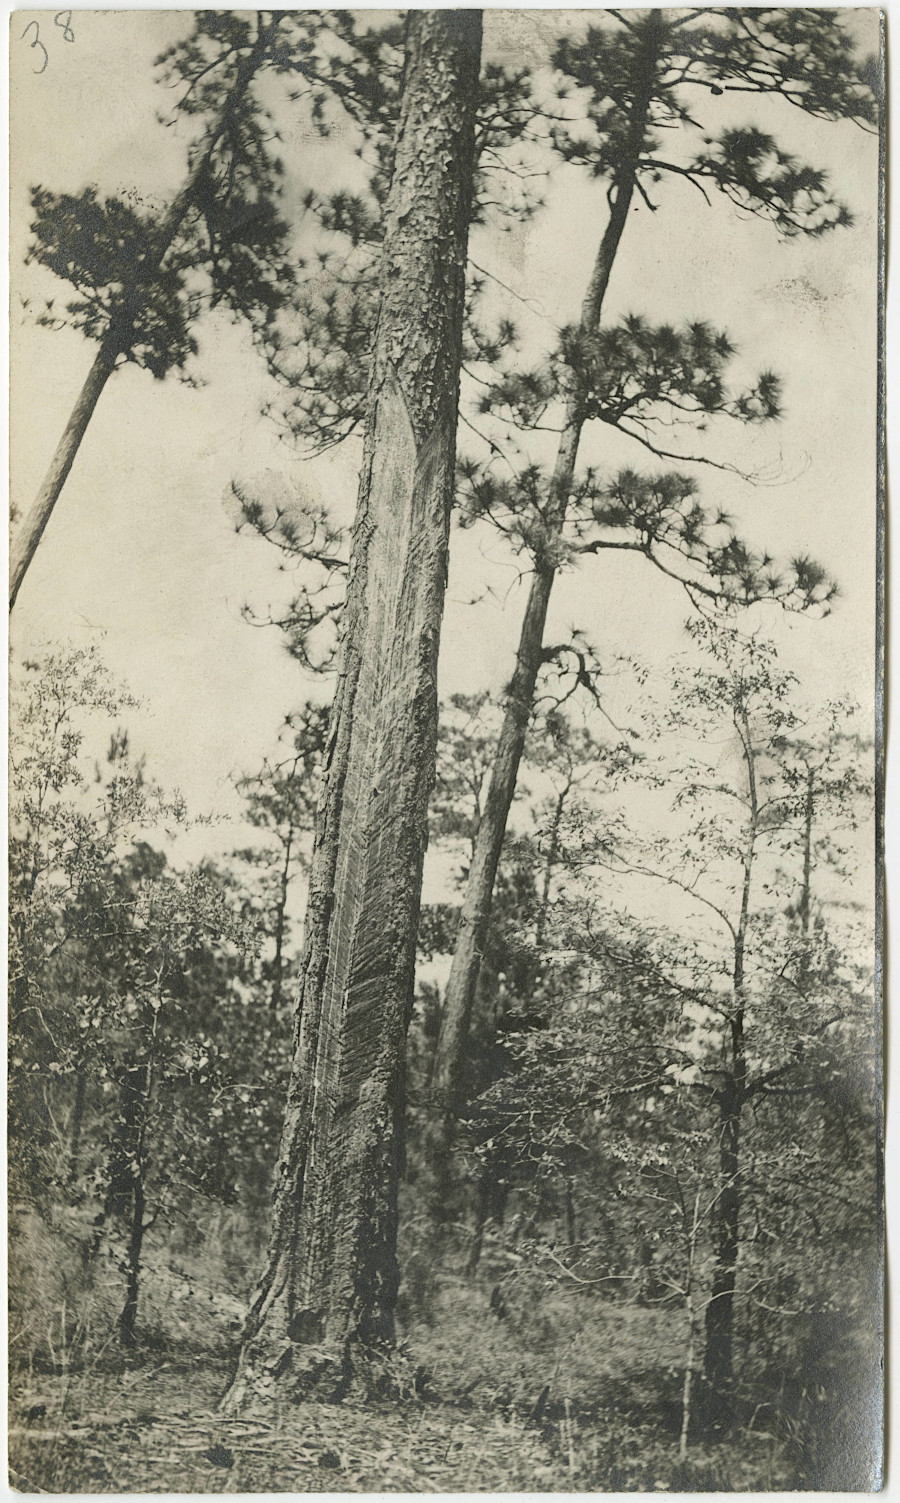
(140, 554)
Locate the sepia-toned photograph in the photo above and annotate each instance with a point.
(445, 897)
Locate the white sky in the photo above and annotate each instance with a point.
(140, 550)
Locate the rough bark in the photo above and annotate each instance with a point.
(120, 336)
(476, 911)
(330, 1284)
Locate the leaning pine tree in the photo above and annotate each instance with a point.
(142, 280)
(329, 1288)
(639, 80)
(132, 273)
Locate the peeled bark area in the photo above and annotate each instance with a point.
(331, 1280)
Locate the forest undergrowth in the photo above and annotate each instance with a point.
(564, 1249)
(494, 1387)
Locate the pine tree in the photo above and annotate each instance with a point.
(281, 802)
(141, 281)
(639, 79)
(758, 1001)
(330, 1284)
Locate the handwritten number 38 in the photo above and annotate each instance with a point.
(62, 19)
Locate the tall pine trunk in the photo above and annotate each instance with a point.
(447, 1082)
(120, 336)
(330, 1284)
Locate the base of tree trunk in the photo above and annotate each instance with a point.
(293, 1371)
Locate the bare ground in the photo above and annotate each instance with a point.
(156, 1429)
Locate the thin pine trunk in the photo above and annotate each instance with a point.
(120, 336)
(719, 1354)
(687, 1387)
(491, 1203)
(125, 1200)
(550, 865)
(482, 1212)
(806, 889)
(569, 1202)
(128, 1317)
(31, 529)
(330, 1284)
(475, 917)
(280, 924)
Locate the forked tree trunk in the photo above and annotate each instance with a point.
(330, 1285)
(120, 336)
(447, 1084)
